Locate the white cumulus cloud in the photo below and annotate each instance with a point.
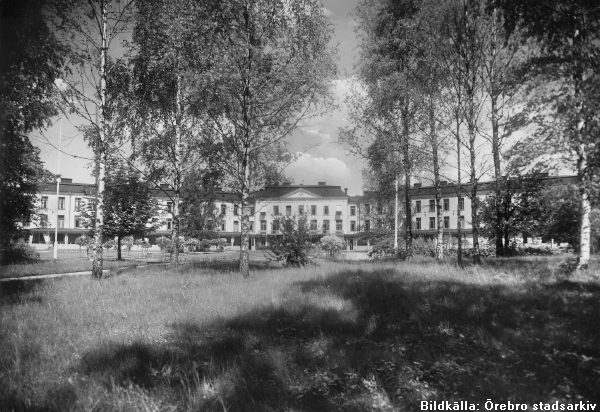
(310, 170)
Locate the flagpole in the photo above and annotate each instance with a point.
(57, 192)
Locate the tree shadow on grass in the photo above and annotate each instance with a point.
(360, 341)
(20, 291)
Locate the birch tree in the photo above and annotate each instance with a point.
(564, 85)
(275, 69)
(173, 44)
(92, 31)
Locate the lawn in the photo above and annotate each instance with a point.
(72, 261)
(349, 336)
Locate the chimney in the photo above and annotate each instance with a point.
(322, 183)
(66, 180)
(443, 183)
(286, 184)
(417, 185)
(346, 190)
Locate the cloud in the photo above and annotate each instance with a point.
(310, 170)
(327, 12)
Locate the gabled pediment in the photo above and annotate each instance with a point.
(300, 194)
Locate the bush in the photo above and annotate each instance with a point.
(19, 252)
(109, 244)
(332, 244)
(424, 247)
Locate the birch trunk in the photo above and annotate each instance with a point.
(178, 173)
(101, 154)
(439, 247)
(459, 193)
(495, 136)
(408, 168)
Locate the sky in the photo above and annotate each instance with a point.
(320, 157)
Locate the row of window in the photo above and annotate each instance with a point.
(445, 205)
(313, 225)
(61, 221)
(61, 203)
(432, 224)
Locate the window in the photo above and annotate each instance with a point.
(446, 222)
(288, 210)
(236, 226)
(223, 209)
(446, 205)
(77, 222)
(44, 202)
(352, 210)
(251, 226)
(432, 205)
(338, 225)
(379, 208)
(325, 225)
(352, 226)
(432, 223)
(169, 224)
(276, 210)
(418, 206)
(43, 220)
(367, 208)
(61, 238)
(313, 210)
(263, 225)
(61, 203)
(275, 226)
(301, 209)
(313, 225)
(170, 207)
(418, 223)
(38, 238)
(338, 210)
(461, 203)
(367, 225)
(252, 211)
(61, 221)
(223, 225)
(263, 215)
(461, 222)
(236, 210)
(326, 210)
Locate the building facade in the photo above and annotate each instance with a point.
(327, 209)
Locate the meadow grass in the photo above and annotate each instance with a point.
(354, 336)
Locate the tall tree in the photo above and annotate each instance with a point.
(274, 69)
(565, 85)
(464, 29)
(91, 30)
(129, 207)
(386, 69)
(31, 59)
(174, 43)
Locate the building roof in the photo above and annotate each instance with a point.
(451, 188)
(87, 189)
(317, 190)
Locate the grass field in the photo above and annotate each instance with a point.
(342, 336)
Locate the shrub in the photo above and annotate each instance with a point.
(332, 244)
(295, 247)
(424, 247)
(19, 252)
(128, 242)
(109, 244)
